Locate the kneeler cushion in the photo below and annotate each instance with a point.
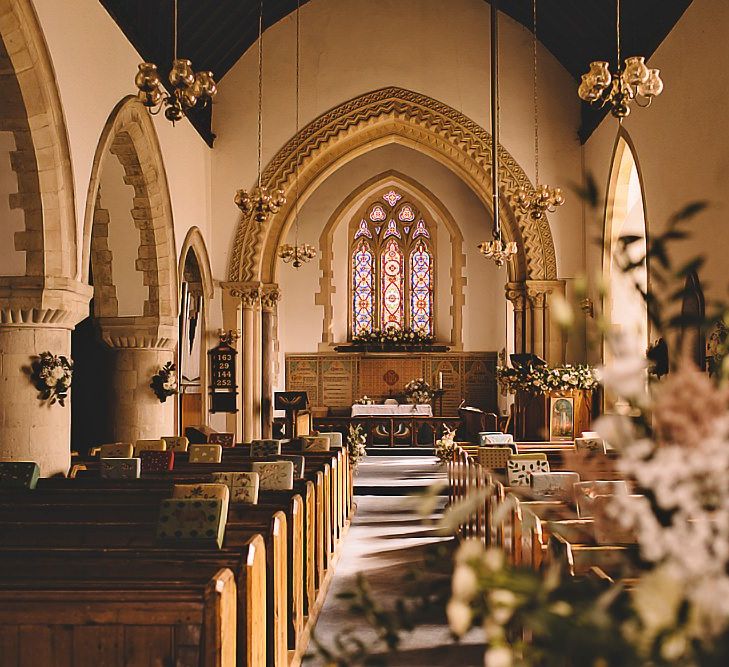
(315, 443)
(116, 450)
(203, 491)
(153, 462)
(297, 459)
(243, 486)
(521, 466)
(265, 447)
(19, 474)
(192, 519)
(275, 475)
(149, 446)
(205, 454)
(223, 439)
(335, 438)
(121, 468)
(176, 443)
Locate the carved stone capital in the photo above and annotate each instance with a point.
(515, 293)
(538, 291)
(140, 333)
(248, 293)
(43, 301)
(270, 297)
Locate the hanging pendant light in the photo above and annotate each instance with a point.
(297, 255)
(543, 198)
(633, 81)
(189, 89)
(260, 202)
(497, 249)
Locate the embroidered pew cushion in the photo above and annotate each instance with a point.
(243, 486)
(485, 439)
(335, 439)
(590, 445)
(521, 466)
(275, 475)
(192, 519)
(559, 485)
(265, 448)
(586, 492)
(222, 439)
(177, 443)
(153, 462)
(298, 460)
(205, 453)
(122, 468)
(116, 450)
(494, 457)
(19, 474)
(203, 491)
(315, 443)
(149, 446)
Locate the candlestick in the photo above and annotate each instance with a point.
(440, 380)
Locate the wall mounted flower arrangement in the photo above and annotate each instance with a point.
(164, 382)
(52, 375)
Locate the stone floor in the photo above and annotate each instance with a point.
(385, 542)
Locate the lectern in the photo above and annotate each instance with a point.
(296, 406)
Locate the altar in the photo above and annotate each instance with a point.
(408, 410)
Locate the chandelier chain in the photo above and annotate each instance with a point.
(260, 86)
(174, 33)
(536, 94)
(617, 27)
(296, 170)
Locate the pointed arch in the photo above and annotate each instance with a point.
(390, 115)
(130, 136)
(195, 242)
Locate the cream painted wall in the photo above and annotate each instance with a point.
(118, 199)
(12, 262)
(350, 47)
(95, 67)
(682, 140)
(484, 311)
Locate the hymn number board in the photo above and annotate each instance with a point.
(223, 389)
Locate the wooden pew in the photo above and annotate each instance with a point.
(91, 622)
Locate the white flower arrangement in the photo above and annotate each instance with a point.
(394, 336)
(164, 382)
(540, 379)
(356, 444)
(446, 445)
(52, 375)
(418, 392)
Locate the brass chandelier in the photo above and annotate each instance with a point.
(497, 249)
(297, 254)
(260, 201)
(543, 198)
(633, 81)
(189, 89)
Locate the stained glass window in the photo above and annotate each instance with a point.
(363, 293)
(392, 286)
(392, 267)
(421, 289)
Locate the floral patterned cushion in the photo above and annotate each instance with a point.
(177, 443)
(149, 446)
(590, 445)
(243, 486)
(559, 485)
(521, 466)
(275, 475)
(192, 519)
(494, 457)
(154, 462)
(121, 468)
(335, 439)
(298, 461)
(116, 450)
(586, 492)
(315, 443)
(203, 491)
(265, 447)
(19, 474)
(205, 453)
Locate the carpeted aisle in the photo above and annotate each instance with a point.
(385, 542)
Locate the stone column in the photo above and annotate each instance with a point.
(547, 338)
(269, 301)
(515, 292)
(141, 347)
(250, 297)
(36, 315)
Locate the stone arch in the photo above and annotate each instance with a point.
(130, 136)
(436, 209)
(195, 242)
(391, 115)
(32, 111)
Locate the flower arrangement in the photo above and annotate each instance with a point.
(539, 379)
(356, 444)
(394, 336)
(446, 445)
(418, 392)
(164, 382)
(52, 375)
(365, 400)
(716, 347)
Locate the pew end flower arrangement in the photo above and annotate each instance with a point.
(52, 375)
(356, 444)
(164, 382)
(445, 446)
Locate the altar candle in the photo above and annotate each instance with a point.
(440, 380)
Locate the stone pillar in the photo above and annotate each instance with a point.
(269, 301)
(515, 293)
(36, 315)
(141, 347)
(547, 339)
(250, 297)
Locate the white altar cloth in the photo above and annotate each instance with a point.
(392, 411)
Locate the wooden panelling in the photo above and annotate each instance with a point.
(337, 380)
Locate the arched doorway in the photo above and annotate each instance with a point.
(624, 306)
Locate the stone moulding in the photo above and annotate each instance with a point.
(418, 121)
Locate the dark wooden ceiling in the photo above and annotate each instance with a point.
(214, 34)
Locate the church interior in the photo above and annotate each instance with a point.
(357, 332)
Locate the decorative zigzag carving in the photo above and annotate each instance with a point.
(424, 121)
